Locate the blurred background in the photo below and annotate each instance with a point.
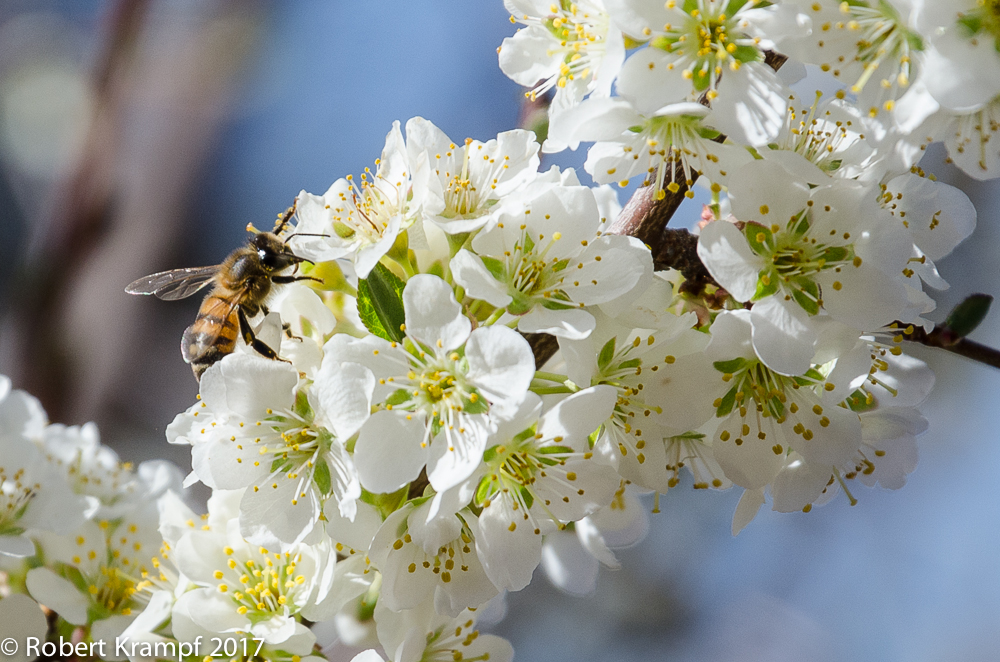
(143, 135)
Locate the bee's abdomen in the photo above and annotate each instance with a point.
(213, 334)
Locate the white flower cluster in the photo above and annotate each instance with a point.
(405, 461)
(912, 72)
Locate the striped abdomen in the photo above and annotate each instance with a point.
(214, 332)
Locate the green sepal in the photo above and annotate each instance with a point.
(398, 397)
(810, 304)
(726, 406)
(607, 353)
(527, 498)
(701, 79)
(592, 437)
(386, 504)
(759, 237)
(630, 364)
(731, 366)
(321, 476)
(482, 490)
(495, 267)
(766, 286)
(858, 402)
(477, 407)
(747, 54)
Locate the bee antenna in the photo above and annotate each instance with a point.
(306, 234)
(283, 219)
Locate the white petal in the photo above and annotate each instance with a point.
(578, 416)
(726, 254)
(21, 618)
(344, 394)
(650, 79)
(529, 56)
(247, 386)
(747, 508)
(16, 545)
(570, 323)
(862, 297)
(755, 198)
(798, 485)
(389, 452)
(501, 364)
(432, 313)
(470, 272)
(568, 565)
(751, 106)
(509, 556)
(782, 336)
(937, 215)
(57, 594)
(268, 517)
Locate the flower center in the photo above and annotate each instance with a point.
(706, 40)
(461, 196)
(793, 257)
(580, 34)
(14, 499)
(532, 275)
(452, 645)
(670, 141)
(113, 589)
(818, 140)
(758, 391)
(261, 584)
(366, 216)
(984, 18)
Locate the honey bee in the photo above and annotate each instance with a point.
(241, 285)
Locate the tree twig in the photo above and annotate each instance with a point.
(942, 338)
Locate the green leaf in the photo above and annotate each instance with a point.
(321, 475)
(380, 303)
(607, 353)
(966, 316)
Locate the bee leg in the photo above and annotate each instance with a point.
(252, 341)
(280, 280)
(287, 328)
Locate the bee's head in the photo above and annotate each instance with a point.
(272, 251)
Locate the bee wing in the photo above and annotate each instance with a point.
(174, 284)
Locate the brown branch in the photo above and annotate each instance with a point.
(943, 338)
